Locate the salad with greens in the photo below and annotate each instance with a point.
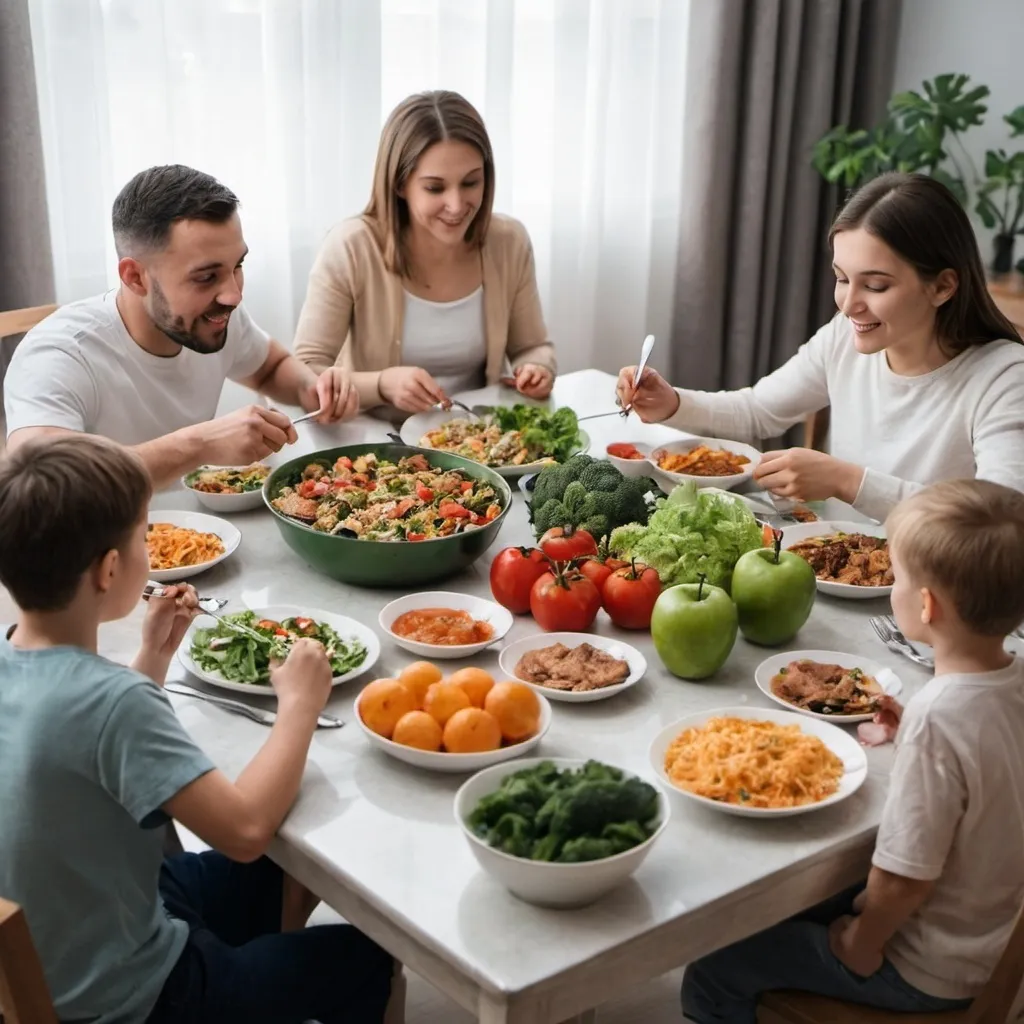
(244, 656)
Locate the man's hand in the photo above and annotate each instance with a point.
(335, 394)
(850, 950)
(410, 388)
(534, 380)
(804, 474)
(245, 436)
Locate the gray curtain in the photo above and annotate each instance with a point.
(26, 267)
(766, 79)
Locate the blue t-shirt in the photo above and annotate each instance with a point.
(89, 751)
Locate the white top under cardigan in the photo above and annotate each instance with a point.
(963, 420)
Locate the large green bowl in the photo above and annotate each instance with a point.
(372, 563)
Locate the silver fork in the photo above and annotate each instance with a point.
(896, 641)
(261, 715)
(1017, 634)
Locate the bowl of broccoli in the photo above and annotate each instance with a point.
(560, 832)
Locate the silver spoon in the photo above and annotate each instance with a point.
(645, 354)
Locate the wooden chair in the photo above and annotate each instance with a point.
(992, 1006)
(24, 997)
(18, 321)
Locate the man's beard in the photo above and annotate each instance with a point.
(174, 326)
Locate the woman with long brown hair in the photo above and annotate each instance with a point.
(428, 292)
(924, 375)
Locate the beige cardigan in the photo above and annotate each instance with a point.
(354, 306)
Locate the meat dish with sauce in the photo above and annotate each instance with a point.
(826, 689)
(851, 558)
(578, 669)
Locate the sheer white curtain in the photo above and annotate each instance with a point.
(283, 100)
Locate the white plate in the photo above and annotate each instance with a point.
(414, 429)
(540, 882)
(485, 611)
(244, 502)
(229, 534)
(805, 531)
(509, 658)
(839, 742)
(440, 761)
(347, 629)
(770, 667)
(688, 444)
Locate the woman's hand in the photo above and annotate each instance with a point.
(804, 474)
(534, 380)
(410, 388)
(335, 394)
(653, 400)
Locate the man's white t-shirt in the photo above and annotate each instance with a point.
(80, 369)
(955, 815)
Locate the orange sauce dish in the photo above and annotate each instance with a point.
(446, 627)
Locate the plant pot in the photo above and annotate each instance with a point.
(1002, 254)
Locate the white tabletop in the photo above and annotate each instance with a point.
(377, 839)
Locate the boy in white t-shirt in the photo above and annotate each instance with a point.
(144, 365)
(947, 880)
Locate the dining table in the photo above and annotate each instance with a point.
(376, 839)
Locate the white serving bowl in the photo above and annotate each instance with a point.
(805, 531)
(226, 503)
(500, 618)
(842, 744)
(510, 655)
(687, 445)
(347, 629)
(441, 761)
(632, 467)
(229, 534)
(542, 883)
(770, 667)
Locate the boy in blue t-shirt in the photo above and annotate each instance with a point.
(93, 760)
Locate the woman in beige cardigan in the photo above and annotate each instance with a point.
(428, 292)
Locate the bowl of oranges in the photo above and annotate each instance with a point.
(459, 723)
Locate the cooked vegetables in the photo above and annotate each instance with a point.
(690, 533)
(567, 815)
(212, 480)
(589, 494)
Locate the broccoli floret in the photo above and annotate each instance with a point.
(356, 498)
(592, 805)
(586, 848)
(512, 834)
(549, 515)
(600, 476)
(575, 501)
(551, 483)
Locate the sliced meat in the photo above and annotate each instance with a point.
(577, 668)
(297, 508)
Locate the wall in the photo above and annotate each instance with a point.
(981, 38)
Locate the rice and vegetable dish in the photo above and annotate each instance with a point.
(214, 480)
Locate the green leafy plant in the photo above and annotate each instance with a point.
(1000, 197)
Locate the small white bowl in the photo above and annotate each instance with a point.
(509, 658)
(542, 883)
(500, 619)
(770, 667)
(243, 502)
(805, 531)
(631, 467)
(441, 761)
(230, 535)
(724, 482)
(840, 743)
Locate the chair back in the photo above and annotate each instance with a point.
(18, 321)
(24, 997)
(997, 998)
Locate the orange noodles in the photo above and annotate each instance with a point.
(172, 547)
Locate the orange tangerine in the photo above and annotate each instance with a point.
(443, 700)
(475, 681)
(383, 703)
(471, 731)
(418, 677)
(517, 709)
(417, 729)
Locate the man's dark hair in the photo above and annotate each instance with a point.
(147, 207)
(64, 503)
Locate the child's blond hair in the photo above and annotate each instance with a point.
(965, 540)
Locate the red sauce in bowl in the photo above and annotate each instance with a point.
(624, 450)
(445, 627)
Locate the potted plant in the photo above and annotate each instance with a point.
(1000, 200)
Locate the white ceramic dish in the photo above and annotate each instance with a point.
(632, 467)
(347, 629)
(440, 761)
(688, 444)
(542, 883)
(226, 503)
(416, 427)
(805, 531)
(770, 667)
(841, 743)
(485, 611)
(509, 658)
(229, 534)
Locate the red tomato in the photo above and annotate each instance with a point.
(268, 624)
(401, 508)
(452, 510)
(305, 489)
(415, 536)
(564, 602)
(629, 596)
(424, 493)
(563, 545)
(513, 574)
(466, 485)
(343, 463)
(596, 571)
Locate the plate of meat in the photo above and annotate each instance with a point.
(827, 684)
(573, 667)
(849, 559)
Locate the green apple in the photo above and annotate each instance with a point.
(774, 592)
(694, 629)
